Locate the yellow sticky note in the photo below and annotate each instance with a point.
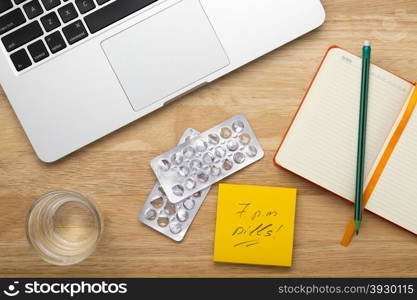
(255, 225)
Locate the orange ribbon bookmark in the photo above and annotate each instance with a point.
(350, 229)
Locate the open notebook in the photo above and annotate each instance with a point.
(321, 144)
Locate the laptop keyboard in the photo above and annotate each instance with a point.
(33, 30)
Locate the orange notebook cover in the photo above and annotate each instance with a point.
(320, 144)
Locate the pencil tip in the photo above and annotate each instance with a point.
(357, 226)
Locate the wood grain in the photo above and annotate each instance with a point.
(115, 171)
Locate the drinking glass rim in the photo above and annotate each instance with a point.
(91, 206)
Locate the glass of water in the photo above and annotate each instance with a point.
(64, 227)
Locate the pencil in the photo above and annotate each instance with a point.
(360, 163)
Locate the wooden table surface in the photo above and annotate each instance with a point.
(115, 171)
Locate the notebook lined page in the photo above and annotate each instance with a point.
(321, 145)
(395, 195)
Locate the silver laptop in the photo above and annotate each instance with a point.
(76, 70)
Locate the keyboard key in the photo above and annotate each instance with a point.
(85, 5)
(19, 1)
(68, 12)
(49, 4)
(114, 12)
(55, 42)
(75, 32)
(100, 2)
(11, 20)
(38, 51)
(5, 5)
(20, 60)
(50, 21)
(22, 36)
(33, 9)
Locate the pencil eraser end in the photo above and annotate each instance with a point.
(367, 43)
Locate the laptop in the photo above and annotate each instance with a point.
(77, 70)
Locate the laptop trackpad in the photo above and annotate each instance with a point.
(165, 53)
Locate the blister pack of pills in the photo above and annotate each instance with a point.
(172, 219)
(207, 158)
